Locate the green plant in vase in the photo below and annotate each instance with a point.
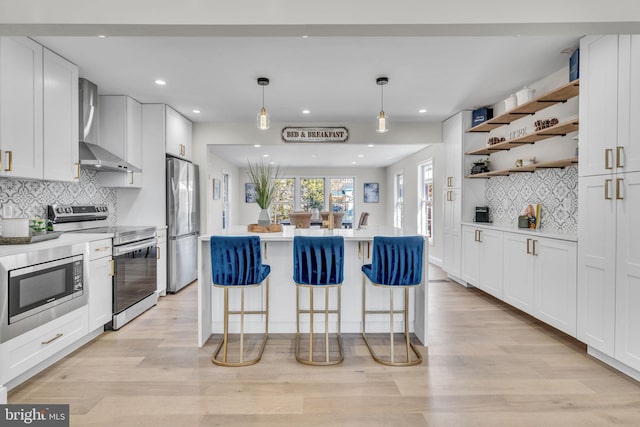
(263, 176)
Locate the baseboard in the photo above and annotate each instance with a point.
(614, 363)
(435, 261)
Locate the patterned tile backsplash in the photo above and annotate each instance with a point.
(555, 189)
(30, 198)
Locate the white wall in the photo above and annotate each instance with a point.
(409, 166)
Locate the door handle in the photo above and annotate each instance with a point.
(49, 341)
(619, 154)
(78, 171)
(607, 152)
(618, 190)
(607, 182)
(533, 252)
(10, 153)
(528, 246)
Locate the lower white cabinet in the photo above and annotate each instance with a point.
(25, 351)
(482, 259)
(100, 283)
(162, 262)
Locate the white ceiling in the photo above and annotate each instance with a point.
(333, 77)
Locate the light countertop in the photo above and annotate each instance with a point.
(64, 239)
(288, 232)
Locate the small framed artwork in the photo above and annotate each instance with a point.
(371, 192)
(216, 189)
(250, 192)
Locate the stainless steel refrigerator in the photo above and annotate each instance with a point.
(183, 223)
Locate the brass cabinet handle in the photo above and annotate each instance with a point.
(10, 153)
(113, 268)
(533, 252)
(131, 178)
(49, 341)
(618, 195)
(607, 151)
(607, 182)
(78, 171)
(449, 181)
(102, 248)
(478, 236)
(619, 154)
(528, 248)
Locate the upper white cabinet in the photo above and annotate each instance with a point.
(460, 196)
(121, 134)
(178, 137)
(21, 149)
(609, 104)
(61, 162)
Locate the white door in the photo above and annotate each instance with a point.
(597, 262)
(100, 293)
(628, 271)
(555, 283)
(21, 108)
(490, 264)
(470, 256)
(518, 272)
(61, 162)
(598, 104)
(452, 203)
(628, 150)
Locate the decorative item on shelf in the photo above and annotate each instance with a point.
(263, 177)
(481, 115)
(480, 166)
(517, 163)
(574, 65)
(517, 133)
(525, 95)
(382, 126)
(264, 120)
(547, 123)
(510, 103)
(300, 219)
(529, 161)
(495, 140)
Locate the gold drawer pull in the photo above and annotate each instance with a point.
(618, 190)
(102, 248)
(52, 339)
(78, 170)
(10, 153)
(533, 252)
(528, 248)
(606, 189)
(619, 154)
(607, 151)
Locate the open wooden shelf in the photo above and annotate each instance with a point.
(560, 129)
(556, 96)
(532, 168)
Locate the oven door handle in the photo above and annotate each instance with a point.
(131, 247)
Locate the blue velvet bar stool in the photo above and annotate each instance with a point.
(318, 262)
(236, 262)
(396, 262)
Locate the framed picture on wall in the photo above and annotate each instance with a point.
(250, 192)
(216, 189)
(371, 192)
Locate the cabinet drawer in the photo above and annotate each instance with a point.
(100, 249)
(27, 350)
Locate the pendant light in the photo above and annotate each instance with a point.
(263, 116)
(382, 119)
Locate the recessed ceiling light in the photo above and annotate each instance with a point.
(422, 111)
(360, 155)
(306, 111)
(257, 145)
(265, 155)
(272, 163)
(305, 36)
(161, 82)
(196, 111)
(371, 145)
(102, 36)
(314, 156)
(354, 163)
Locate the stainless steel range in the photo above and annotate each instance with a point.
(135, 251)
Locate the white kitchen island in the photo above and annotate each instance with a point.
(277, 251)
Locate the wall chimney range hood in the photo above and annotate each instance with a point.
(92, 155)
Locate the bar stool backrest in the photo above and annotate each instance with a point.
(237, 261)
(397, 261)
(318, 260)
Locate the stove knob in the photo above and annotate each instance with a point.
(59, 210)
(68, 210)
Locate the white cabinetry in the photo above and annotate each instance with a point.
(460, 196)
(609, 187)
(178, 134)
(162, 262)
(21, 149)
(100, 283)
(121, 134)
(518, 272)
(482, 259)
(61, 162)
(31, 348)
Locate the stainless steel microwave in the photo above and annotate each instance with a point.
(40, 286)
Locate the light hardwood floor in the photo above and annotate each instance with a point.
(486, 365)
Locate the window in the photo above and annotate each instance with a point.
(283, 199)
(342, 196)
(312, 194)
(398, 212)
(425, 198)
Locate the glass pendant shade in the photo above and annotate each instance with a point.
(382, 123)
(263, 119)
